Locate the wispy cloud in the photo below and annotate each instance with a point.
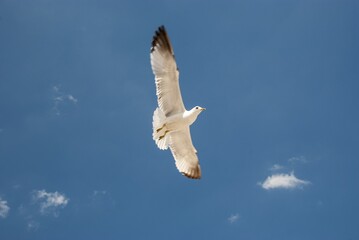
(101, 200)
(32, 225)
(276, 167)
(300, 159)
(285, 181)
(71, 98)
(4, 208)
(233, 218)
(99, 192)
(61, 98)
(50, 202)
(56, 88)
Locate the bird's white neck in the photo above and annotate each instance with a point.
(190, 116)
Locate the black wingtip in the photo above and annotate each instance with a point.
(162, 28)
(161, 39)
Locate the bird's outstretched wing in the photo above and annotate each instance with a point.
(185, 154)
(166, 74)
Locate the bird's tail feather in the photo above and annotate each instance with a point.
(159, 129)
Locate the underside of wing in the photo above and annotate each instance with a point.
(166, 74)
(185, 154)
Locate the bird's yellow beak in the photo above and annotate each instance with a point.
(202, 109)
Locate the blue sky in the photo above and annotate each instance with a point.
(278, 144)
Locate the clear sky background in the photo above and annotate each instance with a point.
(278, 144)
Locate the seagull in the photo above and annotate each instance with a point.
(171, 121)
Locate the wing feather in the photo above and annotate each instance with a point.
(185, 154)
(164, 68)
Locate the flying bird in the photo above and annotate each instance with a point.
(171, 121)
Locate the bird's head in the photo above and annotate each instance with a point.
(198, 109)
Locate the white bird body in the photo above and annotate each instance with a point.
(171, 120)
(181, 120)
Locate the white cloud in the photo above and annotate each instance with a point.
(60, 99)
(32, 225)
(233, 218)
(276, 167)
(56, 88)
(50, 201)
(71, 98)
(4, 208)
(102, 200)
(286, 181)
(99, 192)
(300, 159)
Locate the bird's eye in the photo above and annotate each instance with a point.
(196, 107)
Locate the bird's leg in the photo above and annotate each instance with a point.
(163, 134)
(159, 129)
